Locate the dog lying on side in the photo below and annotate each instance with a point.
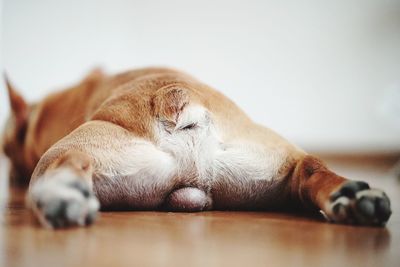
(158, 139)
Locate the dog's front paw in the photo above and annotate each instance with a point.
(62, 199)
(356, 203)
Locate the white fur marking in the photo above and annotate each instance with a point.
(55, 186)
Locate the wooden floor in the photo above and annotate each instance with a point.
(203, 239)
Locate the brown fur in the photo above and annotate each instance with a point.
(133, 101)
(312, 182)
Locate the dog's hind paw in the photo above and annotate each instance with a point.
(62, 199)
(356, 203)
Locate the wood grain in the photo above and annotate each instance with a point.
(202, 239)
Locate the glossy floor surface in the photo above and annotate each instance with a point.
(204, 239)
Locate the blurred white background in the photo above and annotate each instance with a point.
(325, 74)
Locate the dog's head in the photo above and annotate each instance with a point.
(14, 132)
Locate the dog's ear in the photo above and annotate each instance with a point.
(94, 77)
(19, 107)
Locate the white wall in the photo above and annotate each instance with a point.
(325, 74)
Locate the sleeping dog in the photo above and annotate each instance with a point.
(158, 139)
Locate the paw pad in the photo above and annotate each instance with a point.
(356, 203)
(63, 200)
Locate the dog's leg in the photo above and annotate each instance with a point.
(97, 161)
(260, 169)
(63, 195)
(341, 200)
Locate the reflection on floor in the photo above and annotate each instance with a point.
(205, 239)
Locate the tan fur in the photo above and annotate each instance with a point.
(87, 127)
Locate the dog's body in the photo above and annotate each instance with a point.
(159, 139)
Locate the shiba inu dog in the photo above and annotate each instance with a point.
(158, 139)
